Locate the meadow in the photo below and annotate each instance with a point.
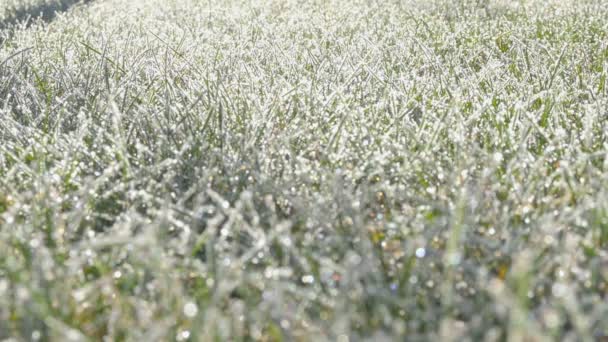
(287, 170)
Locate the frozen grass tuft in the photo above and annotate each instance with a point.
(321, 170)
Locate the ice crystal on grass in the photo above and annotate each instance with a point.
(287, 170)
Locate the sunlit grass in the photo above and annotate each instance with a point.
(284, 170)
(20, 12)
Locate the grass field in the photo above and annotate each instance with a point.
(325, 170)
(19, 13)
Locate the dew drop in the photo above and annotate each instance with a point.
(420, 253)
(190, 309)
(308, 279)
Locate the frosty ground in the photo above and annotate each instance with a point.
(304, 170)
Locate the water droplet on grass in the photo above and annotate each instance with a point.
(183, 335)
(308, 279)
(420, 253)
(190, 310)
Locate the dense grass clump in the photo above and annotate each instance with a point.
(306, 170)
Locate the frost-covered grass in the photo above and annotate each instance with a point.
(14, 12)
(306, 170)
